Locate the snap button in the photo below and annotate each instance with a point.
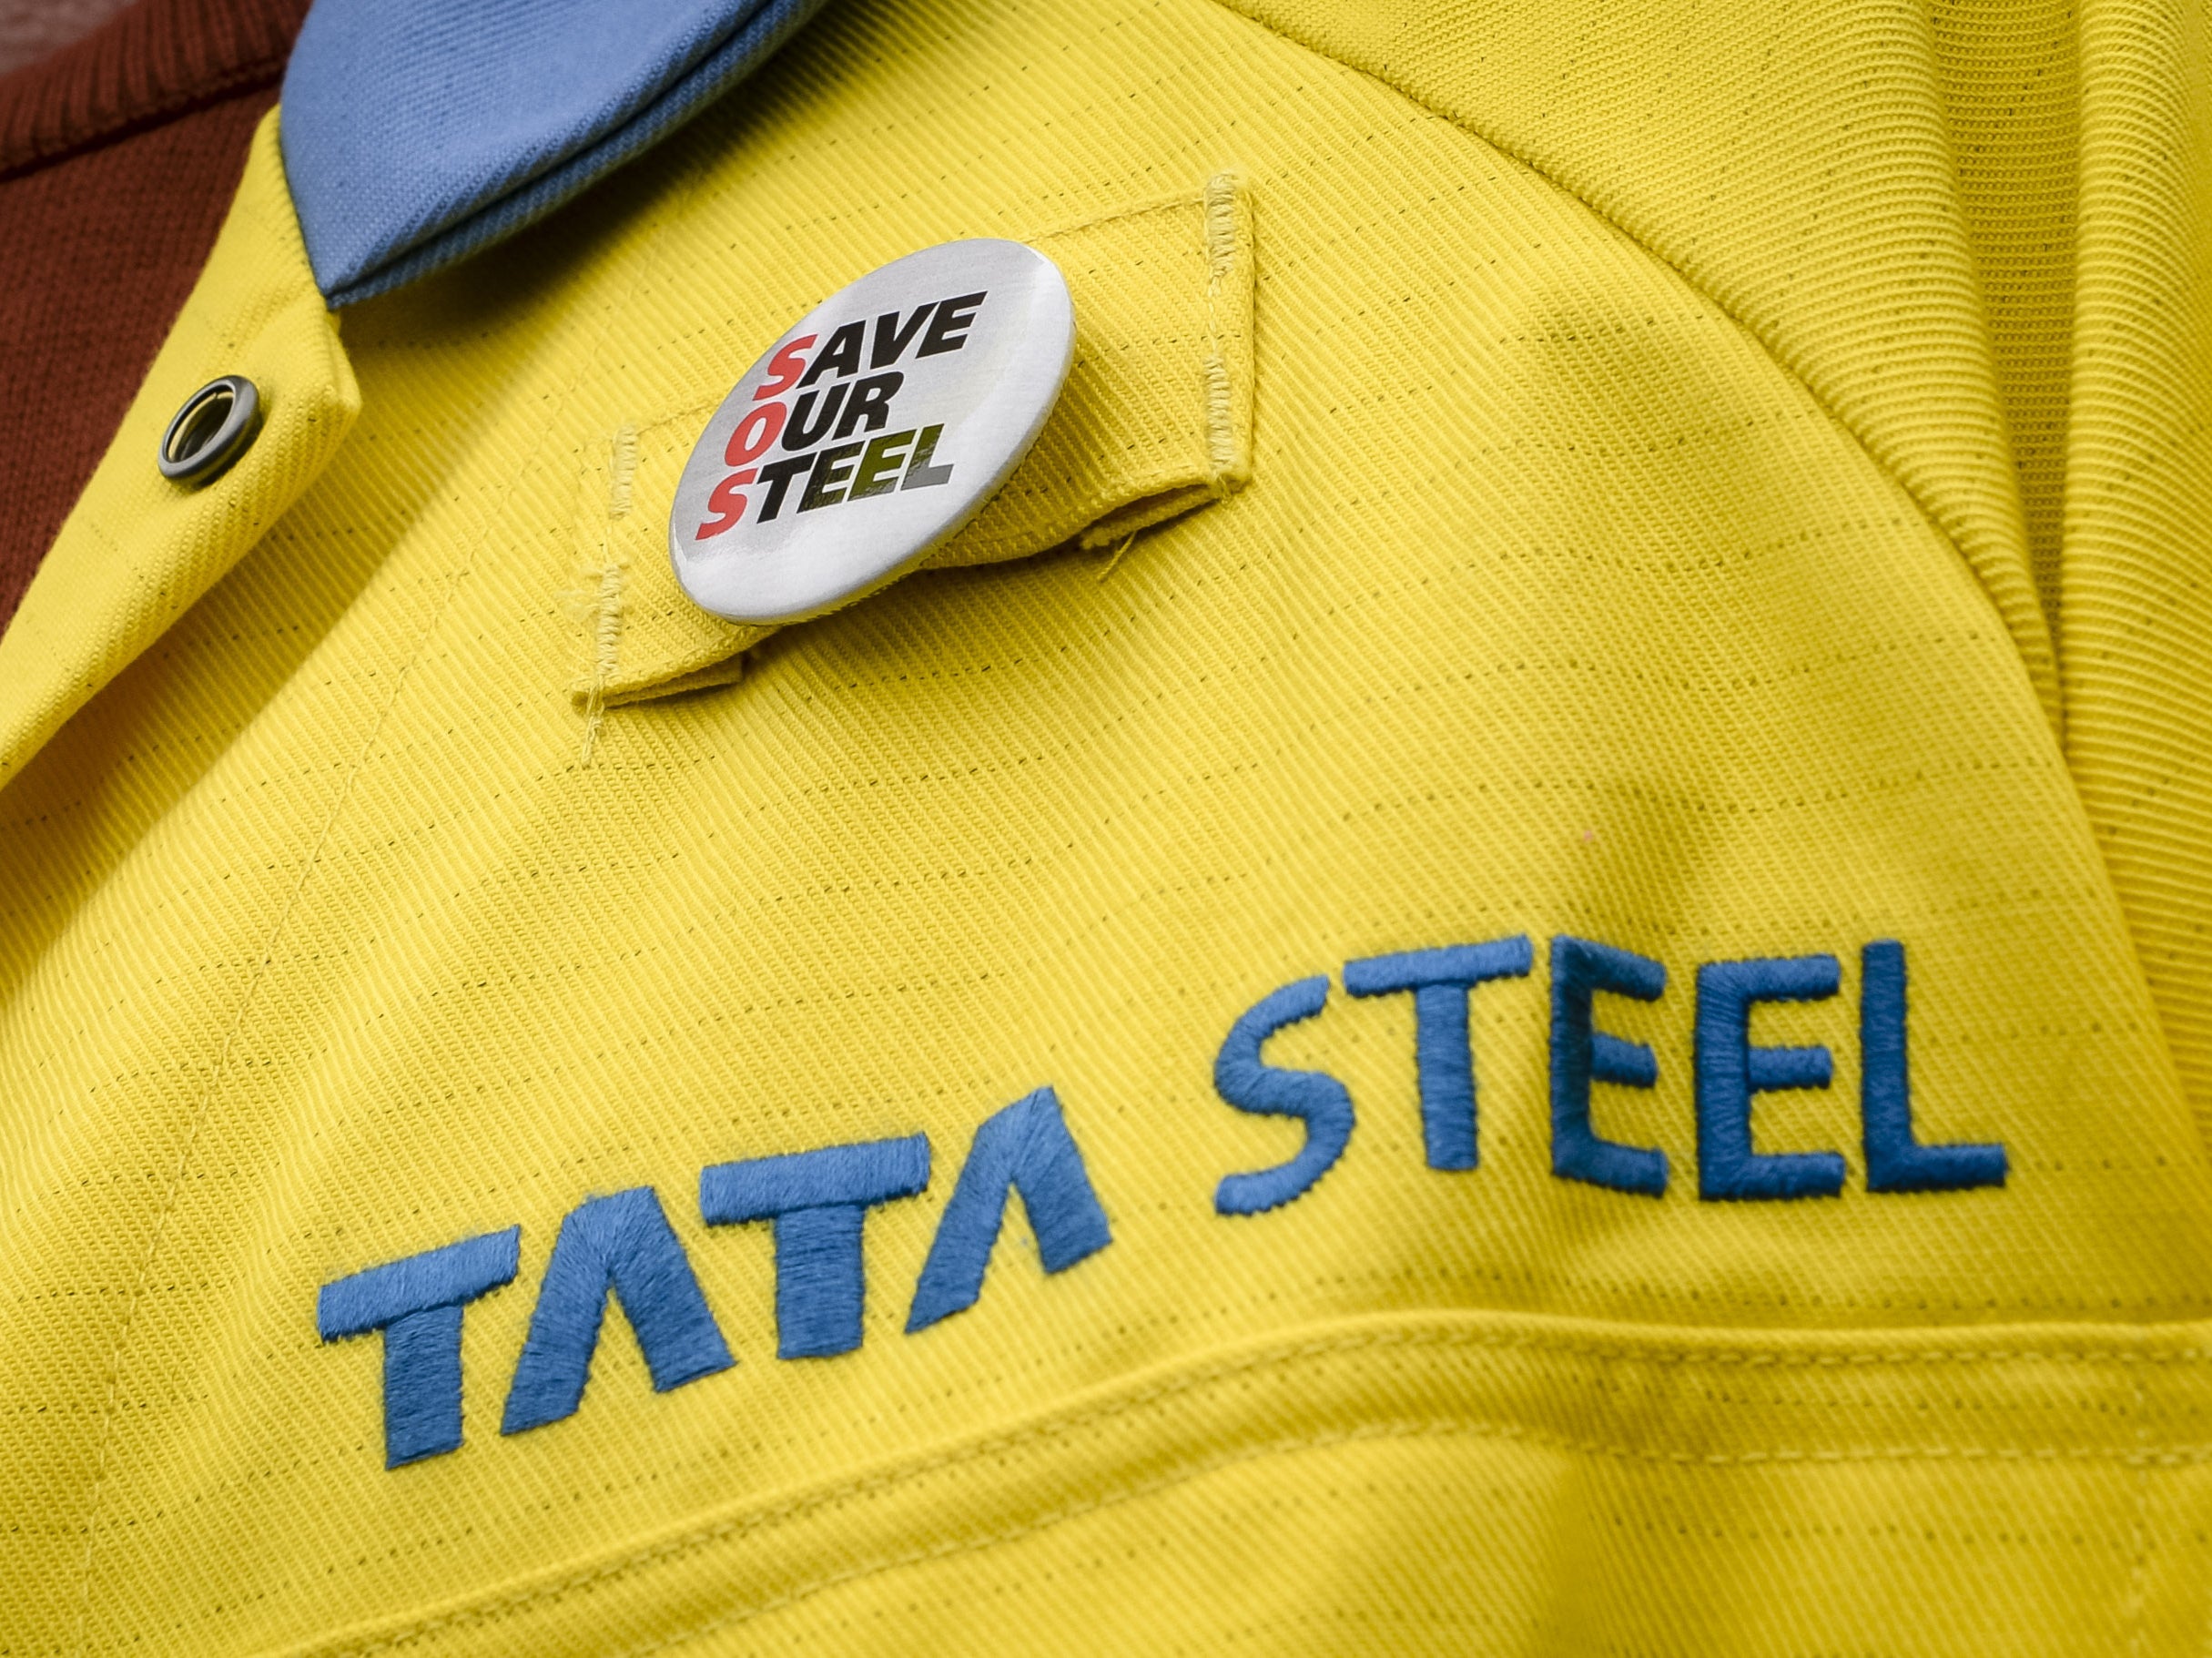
(214, 427)
(872, 430)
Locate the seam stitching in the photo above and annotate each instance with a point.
(218, 1074)
(601, 610)
(605, 618)
(2049, 702)
(622, 469)
(1111, 1498)
(1056, 1426)
(2137, 1608)
(336, 371)
(1188, 1473)
(1221, 255)
(1165, 204)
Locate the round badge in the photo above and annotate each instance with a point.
(872, 430)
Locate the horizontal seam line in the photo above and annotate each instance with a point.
(137, 123)
(1051, 1427)
(1203, 1467)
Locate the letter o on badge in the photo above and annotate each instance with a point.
(759, 429)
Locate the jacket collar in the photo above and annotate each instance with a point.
(416, 137)
(137, 551)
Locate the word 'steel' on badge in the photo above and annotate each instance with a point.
(872, 430)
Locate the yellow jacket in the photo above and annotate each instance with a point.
(1661, 538)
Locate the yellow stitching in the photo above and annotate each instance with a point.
(606, 639)
(2048, 694)
(1166, 204)
(1183, 1475)
(1051, 1428)
(2192, 1456)
(1221, 256)
(1076, 1510)
(220, 1074)
(2137, 1607)
(1116, 559)
(603, 607)
(622, 467)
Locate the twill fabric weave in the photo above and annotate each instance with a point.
(1516, 962)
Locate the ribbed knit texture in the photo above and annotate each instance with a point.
(155, 61)
(33, 29)
(119, 158)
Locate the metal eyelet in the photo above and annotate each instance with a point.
(215, 425)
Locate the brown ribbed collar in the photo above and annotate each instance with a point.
(152, 61)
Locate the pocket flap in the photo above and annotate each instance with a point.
(1155, 420)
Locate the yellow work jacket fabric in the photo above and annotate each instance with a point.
(1567, 1011)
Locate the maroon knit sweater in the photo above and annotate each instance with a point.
(119, 158)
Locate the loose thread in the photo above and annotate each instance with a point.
(1116, 559)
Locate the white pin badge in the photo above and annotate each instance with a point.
(872, 430)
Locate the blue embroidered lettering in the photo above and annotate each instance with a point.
(1026, 1147)
(1731, 1070)
(816, 1202)
(1248, 1083)
(1895, 1161)
(1582, 1054)
(417, 1303)
(1442, 982)
(622, 1242)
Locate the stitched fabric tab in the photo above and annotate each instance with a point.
(1156, 420)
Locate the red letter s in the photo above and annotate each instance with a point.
(727, 503)
(786, 366)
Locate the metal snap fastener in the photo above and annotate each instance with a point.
(215, 427)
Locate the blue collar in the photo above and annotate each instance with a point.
(417, 133)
